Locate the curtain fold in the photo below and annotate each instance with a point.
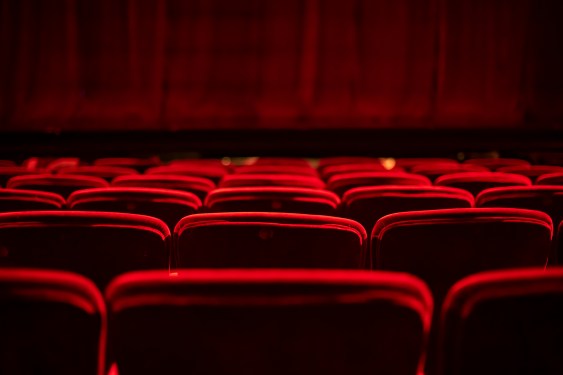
(72, 65)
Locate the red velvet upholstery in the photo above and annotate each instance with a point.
(60, 163)
(167, 205)
(532, 171)
(198, 185)
(106, 172)
(211, 172)
(476, 182)
(140, 164)
(63, 185)
(368, 204)
(504, 322)
(443, 246)
(550, 179)
(8, 172)
(433, 171)
(52, 322)
(289, 180)
(343, 182)
(276, 169)
(29, 200)
(275, 322)
(409, 163)
(495, 163)
(273, 199)
(269, 240)
(99, 245)
(333, 170)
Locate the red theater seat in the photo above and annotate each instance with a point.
(29, 200)
(289, 180)
(532, 171)
(297, 162)
(476, 182)
(8, 172)
(269, 240)
(99, 245)
(52, 322)
(197, 185)
(273, 199)
(211, 172)
(409, 163)
(550, 179)
(344, 182)
(63, 185)
(106, 172)
(495, 163)
(7, 163)
(433, 171)
(368, 204)
(339, 160)
(276, 169)
(504, 322)
(333, 170)
(443, 246)
(275, 322)
(167, 205)
(140, 164)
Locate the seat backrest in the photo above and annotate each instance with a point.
(140, 164)
(167, 205)
(532, 171)
(269, 322)
(269, 240)
(495, 163)
(550, 179)
(433, 171)
(99, 245)
(339, 160)
(106, 172)
(289, 180)
(197, 185)
(276, 169)
(209, 171)
(299, 162)
(341, 183)
(63, 185)
(409, 163)
(29, 200)
(273, 199)
(476, 182)
(443, 246)
(7, 172)
(504, 322)
(51, 322)
(333, 170)
(368, 204)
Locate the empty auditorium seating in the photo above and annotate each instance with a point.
(57, 164)
(63, 185)
(368, 204)
(339, 160)
(280, 161)
(433, 171)
(269, 322)
(140, 164)
(343, 182)
(532, 171)
(332, 170)
(52, 322)
(443, 246)
(273, 199)
(8, 172)
(409, 163)
(504, 322)
(107, 172)
(495, 163)
(29, 200)
(211, 172)
(548, 199)
(550, 179)
(99, 245)
(167, 205)
(290, 180)
(197, 185)
(476, 182)
(276, 169)
(269, 240)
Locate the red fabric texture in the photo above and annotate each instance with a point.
(175, 64)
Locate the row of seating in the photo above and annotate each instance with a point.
(278, 322)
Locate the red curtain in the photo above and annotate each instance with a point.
(184, 64)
